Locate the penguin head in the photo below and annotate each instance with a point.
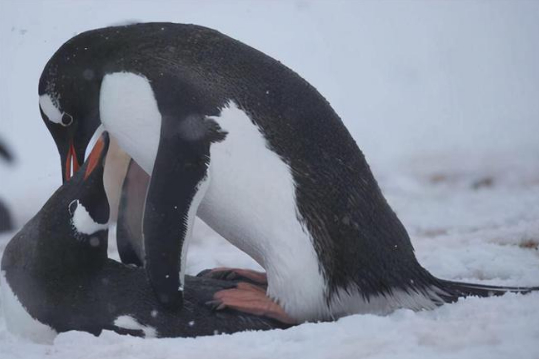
(79, 208)
(89, 209)
(69, 102)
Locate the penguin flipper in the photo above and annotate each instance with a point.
(129, 237)
(178, 183)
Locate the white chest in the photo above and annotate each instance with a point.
(129, 111)
(251, 202)
(250, 199)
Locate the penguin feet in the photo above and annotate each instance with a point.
(235, 274)
(252, 299)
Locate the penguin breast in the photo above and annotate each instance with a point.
(129, 112)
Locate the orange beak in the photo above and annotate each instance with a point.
(93, 158)
(71, 162)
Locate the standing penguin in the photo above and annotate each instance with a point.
(233, 136)
(56, 277)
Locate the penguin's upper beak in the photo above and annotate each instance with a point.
(70, 163)
(72, 157)
(97, 155)
(87, 186)
(71, 143)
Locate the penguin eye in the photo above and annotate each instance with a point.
(73, 206)
(67, 119)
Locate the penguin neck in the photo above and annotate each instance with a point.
(59, 252)
(58, 245)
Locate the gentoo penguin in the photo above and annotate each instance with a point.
(56, 277)
(233, 136)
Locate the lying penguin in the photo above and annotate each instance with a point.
(56, 277)
(235, 137)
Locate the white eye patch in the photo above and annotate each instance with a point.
(82, 221)
(49, 109)
(53, 113)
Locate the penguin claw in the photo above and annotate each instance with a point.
(215, 305)
(219, 273)
(231, 275)
(235, 274)
(204, 273)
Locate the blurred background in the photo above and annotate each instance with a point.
(441, 96)
(434, 92)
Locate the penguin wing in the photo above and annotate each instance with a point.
(178, 183)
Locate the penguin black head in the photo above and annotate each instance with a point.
(89, 208)
(69, 101)
(80, 208)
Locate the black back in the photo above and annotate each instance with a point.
(195, 70)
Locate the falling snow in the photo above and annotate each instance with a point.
(442, 99)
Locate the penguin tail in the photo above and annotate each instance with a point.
(452, 291)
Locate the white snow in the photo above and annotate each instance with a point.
(440, 96)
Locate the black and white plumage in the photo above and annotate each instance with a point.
(56, 276)
(233, 136)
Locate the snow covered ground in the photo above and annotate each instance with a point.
(441, 97)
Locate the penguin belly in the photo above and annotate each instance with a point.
(250, 199)
(129, 112)
(251, 202)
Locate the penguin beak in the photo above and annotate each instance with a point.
(70, 163)
(96, 156)
(72, 157)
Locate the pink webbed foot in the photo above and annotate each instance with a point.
(252, 299)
